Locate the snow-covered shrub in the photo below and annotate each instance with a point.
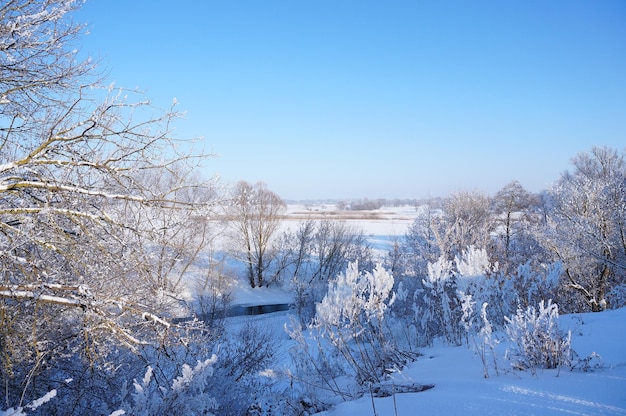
(352, 318)
(435, 305)
(315, 371)
(244, 354)
(402, 322)
(486, 343)
(591, 362)
(22, 411)
(473, 262)
(471, 284)
(537, 341)
(475, 276)
(312, 255)
(188, 393)
(306, 294)
(617, 297)
(444, 306)
(250, 350)
(467, 312)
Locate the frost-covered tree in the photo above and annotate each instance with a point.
(173, 238)
(40, 72)
(467, 221)
(587, 225)
(420, 245)
(78, 165)
(337, 243)
(510, 203)
(255, 214)
(295, 250)
(516, 215)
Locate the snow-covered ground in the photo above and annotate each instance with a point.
(461, 389)
(382, 227)
(244, 295)
(385, 221)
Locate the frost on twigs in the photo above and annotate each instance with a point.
(19, 411)
(351, 316)
(188, 394)
(102, 213)
(486, 344)
(354, 299)
(537, 341)
(349, 336)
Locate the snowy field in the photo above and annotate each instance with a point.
(381, 226)
(389, 221)
(457, 372)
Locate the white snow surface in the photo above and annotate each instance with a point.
(385, 221)
(244, 295)
(461, 389)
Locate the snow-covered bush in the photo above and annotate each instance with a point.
(315, 369)
(474, 285)
(352, 318)
(401, 321)
(467, 312)
(435, 305)
(617, 297)
(537, 341)
(312, 255)
(306, 293)
(444, 306)
(473, 262)
(244, 353)
(22, 411)
(188, 394)
(486, 343)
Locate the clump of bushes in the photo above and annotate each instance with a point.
(537, 341)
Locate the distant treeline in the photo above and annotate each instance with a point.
(370, 204)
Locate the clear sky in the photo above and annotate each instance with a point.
(377, 99)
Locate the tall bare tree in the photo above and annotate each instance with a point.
(516, 213)
(338, 243)
(256, 216)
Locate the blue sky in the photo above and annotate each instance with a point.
(377, 99)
